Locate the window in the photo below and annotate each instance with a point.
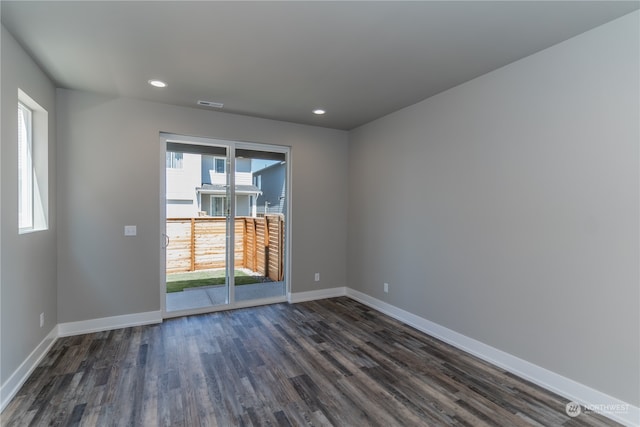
(217, 206)
(25, 167)
(33, 165)
(174, 160)
(219, 164)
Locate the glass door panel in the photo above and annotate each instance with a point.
(197, 219)
(260, 220)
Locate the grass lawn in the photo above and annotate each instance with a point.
(180, 281)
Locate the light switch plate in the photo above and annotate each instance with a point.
(130, 230)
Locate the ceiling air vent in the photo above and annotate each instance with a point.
(210, 104)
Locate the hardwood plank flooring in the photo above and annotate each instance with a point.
(332, 362)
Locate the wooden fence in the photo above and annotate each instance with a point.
(199, 244)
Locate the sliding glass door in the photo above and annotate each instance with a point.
(224, 213)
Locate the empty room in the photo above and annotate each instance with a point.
(331, 213)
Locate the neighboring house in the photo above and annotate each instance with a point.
(183, 176)
(196, 186)
(271, 182)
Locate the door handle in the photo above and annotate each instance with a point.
(166, 240)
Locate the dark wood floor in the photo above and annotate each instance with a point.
(330, 362)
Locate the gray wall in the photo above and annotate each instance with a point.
(506, 209)
(102, 273)
(28, 274)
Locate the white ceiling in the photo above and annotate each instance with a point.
(358, 60)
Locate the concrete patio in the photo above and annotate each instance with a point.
(208, 296)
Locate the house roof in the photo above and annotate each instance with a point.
(273, 166)
(222, 189)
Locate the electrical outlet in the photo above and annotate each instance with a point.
(386, 288)
(317, 277)
(130, 230)
(41, 320)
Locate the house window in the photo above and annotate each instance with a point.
(219, 164)
(217, 206)
(25, 167)
(257, 181)
(33, 180)
(174, 160)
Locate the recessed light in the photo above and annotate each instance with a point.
(319, 112)
(157, 83)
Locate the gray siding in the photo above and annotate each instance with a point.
(273, 183)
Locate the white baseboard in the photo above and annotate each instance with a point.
(20, 375)
(589, 398)
(108, 323)
(319, 294)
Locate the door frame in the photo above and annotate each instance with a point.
(231, 148)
